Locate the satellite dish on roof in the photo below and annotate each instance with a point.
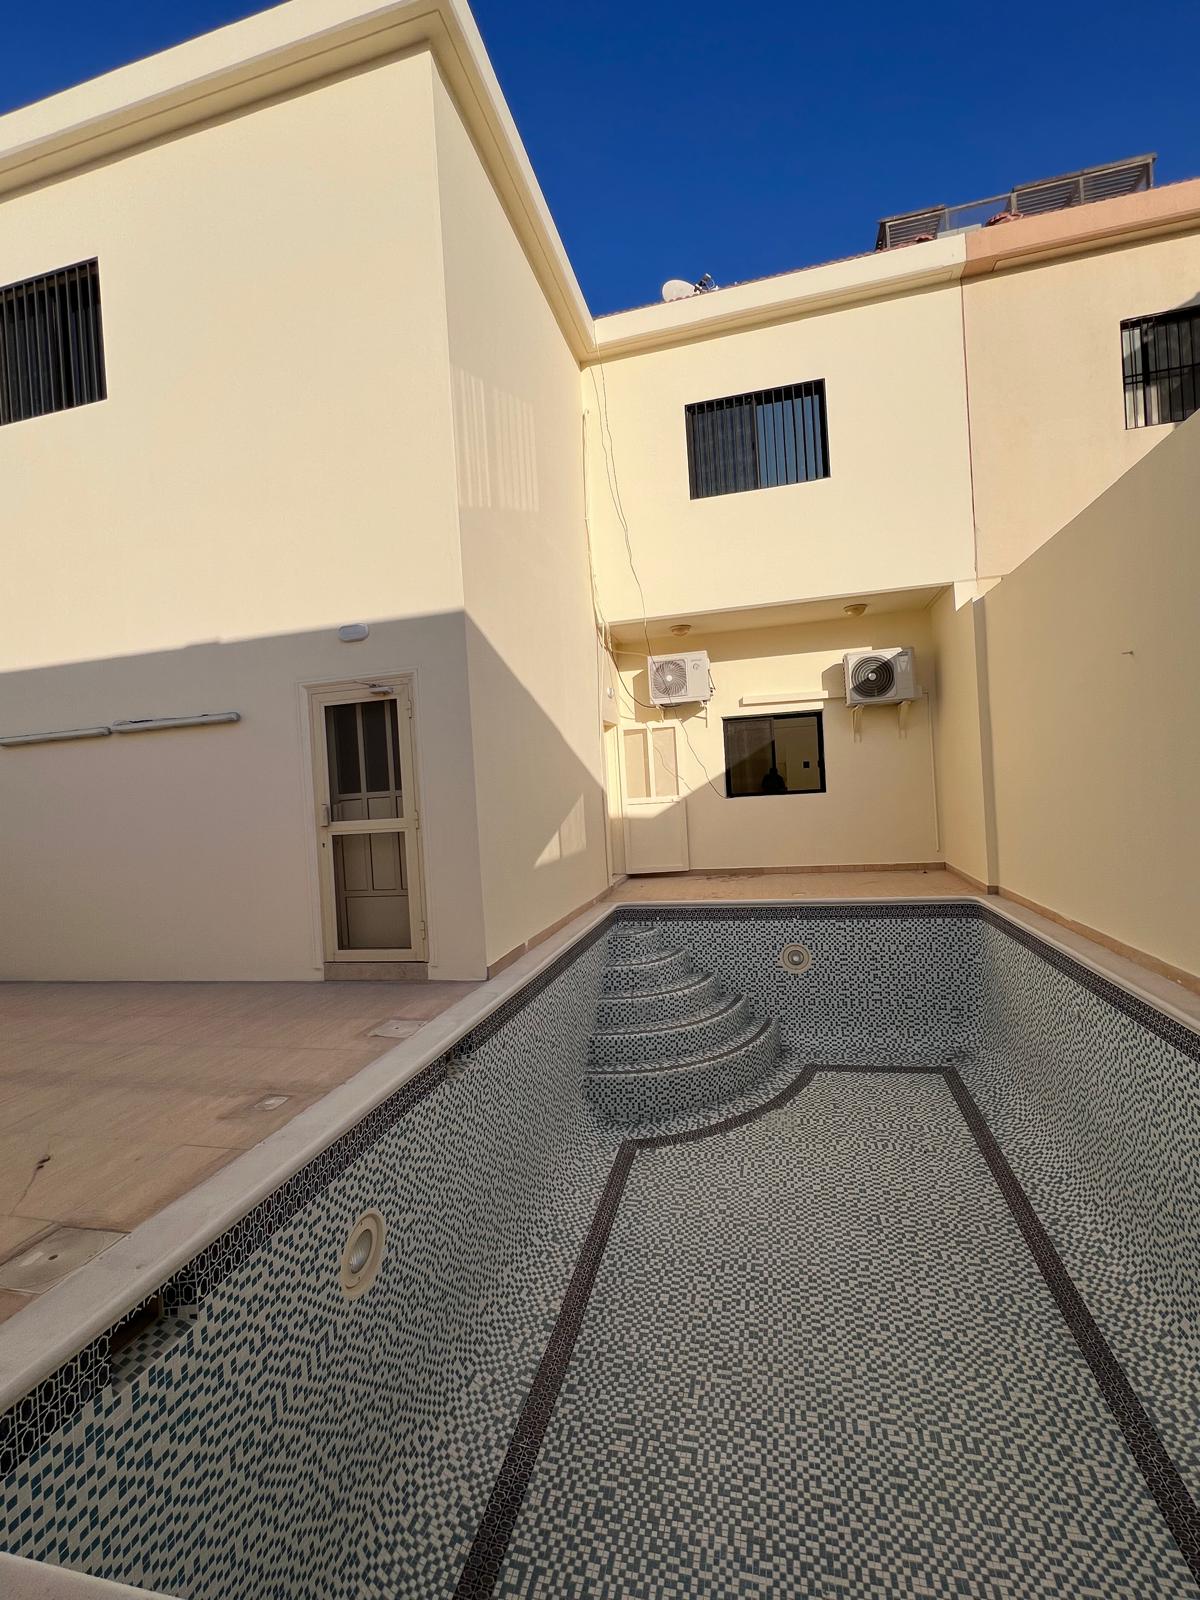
(678, 289)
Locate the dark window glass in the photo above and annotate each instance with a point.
(51, 343)
(345, 774)
(774, 755)
(1161, 360)
(757, 441)
(375, 745)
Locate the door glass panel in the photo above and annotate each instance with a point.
(341, 735)
(375, 745)
(666, 779)
(370, 876)
(364, 748)
(637, 769)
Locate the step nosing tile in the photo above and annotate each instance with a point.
(685, 1063)
(671, 1024)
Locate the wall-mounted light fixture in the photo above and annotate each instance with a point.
(353, 632)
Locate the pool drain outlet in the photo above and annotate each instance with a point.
(362, 1256)
(795, 958)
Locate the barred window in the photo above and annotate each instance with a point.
(757, 441)
(1161, 358)
(51, 343)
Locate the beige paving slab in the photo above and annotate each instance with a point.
(92, 1183)
(117, 1098)
(17, 1232)
(935, 883)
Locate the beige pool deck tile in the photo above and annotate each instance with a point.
(17, 1232)
(922, 884)
(117, 1098)
(91, 1183)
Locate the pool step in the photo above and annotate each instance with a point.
(669, 1038)
(636, 1009)
(662, 969)
(631, 940)
(652, 1092)
(681, 1037)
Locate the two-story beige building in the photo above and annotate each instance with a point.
(338, 534)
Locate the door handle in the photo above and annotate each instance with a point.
(324, 813)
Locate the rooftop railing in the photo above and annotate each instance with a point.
(1025, 200)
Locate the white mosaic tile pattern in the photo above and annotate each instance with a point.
(818, 1360)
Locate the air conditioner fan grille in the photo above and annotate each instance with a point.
(873, 677)
(670, 677)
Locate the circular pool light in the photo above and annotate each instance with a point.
(362, 1255)
(795, 958)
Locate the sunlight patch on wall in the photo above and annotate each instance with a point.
(495, 441)
(568, 839)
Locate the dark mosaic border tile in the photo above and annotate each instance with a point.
(490, 1547)
(59, 1398)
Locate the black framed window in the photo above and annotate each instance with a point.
(51, 343)
(1160, 356)
(757, 441)
(774, 755)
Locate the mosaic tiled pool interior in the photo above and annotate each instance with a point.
(707, 1274)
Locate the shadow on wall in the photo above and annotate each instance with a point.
(193, 853)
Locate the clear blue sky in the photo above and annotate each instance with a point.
(744, 139)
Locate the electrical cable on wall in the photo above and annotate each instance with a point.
(600, 390)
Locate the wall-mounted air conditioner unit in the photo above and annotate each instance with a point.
(677, 679)
(880, 677)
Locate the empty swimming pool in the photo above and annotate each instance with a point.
(769, 1250)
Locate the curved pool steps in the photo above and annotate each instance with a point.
(627, 1046)
(633, 939)
(651, 1091)
(640, 1008)
(658, 969)
(668, 1038)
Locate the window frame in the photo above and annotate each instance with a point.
(722, 458)
(1141, 379)
(782, 716)
(52, 343)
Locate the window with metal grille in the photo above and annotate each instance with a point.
(51, 343)
(757, 441)
(1161, 358)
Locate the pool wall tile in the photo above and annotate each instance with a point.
(276, 1441)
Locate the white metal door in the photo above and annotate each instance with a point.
(371, 892)
(655, 816)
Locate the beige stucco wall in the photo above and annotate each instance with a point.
(879, 807)
(1047, 405)
(275, 458)
(1094, 710)
(534, 725)
(960, 723)
(895, 511)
